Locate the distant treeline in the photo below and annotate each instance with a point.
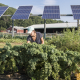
(5, 22)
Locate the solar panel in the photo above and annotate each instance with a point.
(76, 11)
(3, 9)
(22, 12)
(51, 12)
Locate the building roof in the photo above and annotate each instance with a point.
(55, 25)
(17, 27)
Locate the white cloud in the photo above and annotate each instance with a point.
(37, 10)
(49, 2)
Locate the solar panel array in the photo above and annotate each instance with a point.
(76, 11)
(22, 12)
(3, 9)
(51, 12)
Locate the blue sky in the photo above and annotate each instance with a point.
(38, 6)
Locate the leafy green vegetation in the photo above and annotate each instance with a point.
(39, 61)
(69, 40)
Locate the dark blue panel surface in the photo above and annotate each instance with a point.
(51, 12)
(1, 12)
(76, 11)
(51, 16)
(76, 16)
(51, 7)
(3, 9)
(75, 6)
(0, 15)
(20, 16)
(25, 7)
(22, 12)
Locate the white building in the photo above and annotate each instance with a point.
(52, 28)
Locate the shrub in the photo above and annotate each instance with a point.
(68, 41)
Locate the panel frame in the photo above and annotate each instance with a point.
(3, 10)
(55, 10)
(76, 11)
(22, 13)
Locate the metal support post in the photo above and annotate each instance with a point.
(12, 28)
(44, 28)
(77, 24)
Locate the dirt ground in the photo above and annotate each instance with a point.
(14, 77)
(21, 75)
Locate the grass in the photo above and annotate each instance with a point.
(2, 45)
(13, 42)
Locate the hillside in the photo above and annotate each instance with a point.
(5, 22)
(10, 10)
(3, 4)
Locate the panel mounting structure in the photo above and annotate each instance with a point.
(51, 12)
(22, 12)
(76, 11)
(3, 9)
